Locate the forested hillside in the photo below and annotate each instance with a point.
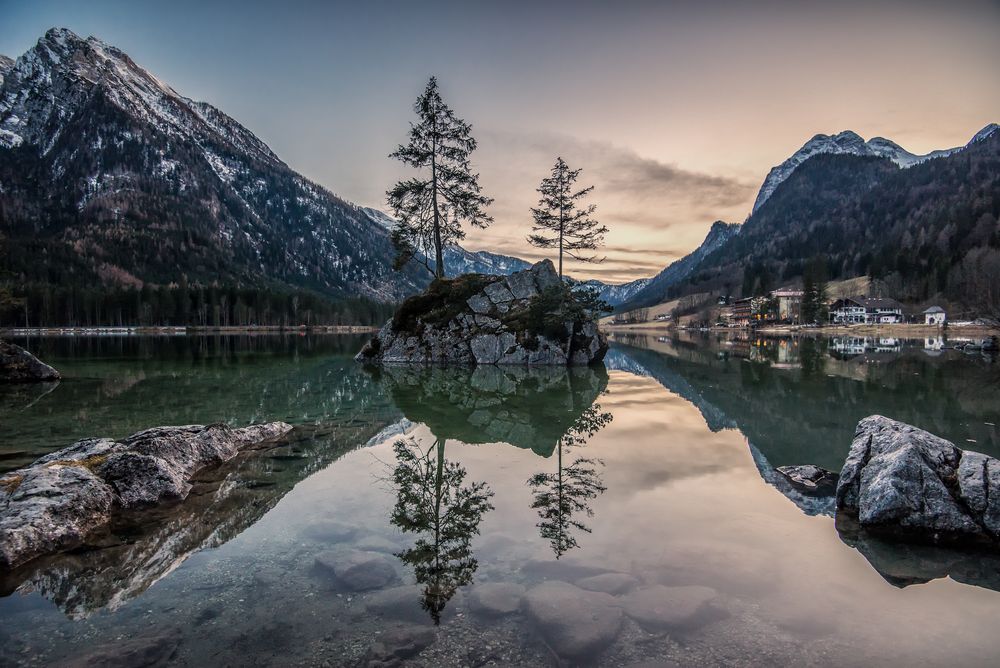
(927, 231)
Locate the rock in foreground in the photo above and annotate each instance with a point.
(574, 622)
(906, 482)
(53, 504)
(527, 318)
(17, 365)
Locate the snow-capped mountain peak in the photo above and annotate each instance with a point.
(109, 142)
(984, 133)
(850, 143)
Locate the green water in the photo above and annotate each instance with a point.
(660, 467)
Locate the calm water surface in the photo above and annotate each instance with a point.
(660, 466)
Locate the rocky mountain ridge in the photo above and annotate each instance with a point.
(850, 143)
(118, 178)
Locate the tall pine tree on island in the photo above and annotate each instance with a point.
(430, 210)
(564, 226)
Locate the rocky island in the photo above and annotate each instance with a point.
(527, 318)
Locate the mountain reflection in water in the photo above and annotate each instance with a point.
(467, 488)
(797, 401)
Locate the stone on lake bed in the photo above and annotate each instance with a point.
(660, 608)
(405, 603)
(398, 643)
(329, 531)
(573, 622)
(357, 570)
(496, 598)
(609, 583)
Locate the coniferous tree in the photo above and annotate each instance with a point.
(569, 229)
(430, 210)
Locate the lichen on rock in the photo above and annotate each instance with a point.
(529, 318)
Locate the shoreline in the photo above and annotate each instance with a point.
(184, 331)
(902, 330)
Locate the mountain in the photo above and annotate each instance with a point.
(928, 231)
(110, 178)
(849, 143)
(654, 291)
(459, 261)
(6, 64)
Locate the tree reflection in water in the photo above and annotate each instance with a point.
(433, 500)
(563, 496)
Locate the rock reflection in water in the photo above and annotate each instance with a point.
(902, 564)
(526, 407)
(137, 550)
(434, 501)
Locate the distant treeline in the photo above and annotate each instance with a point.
(44, 305)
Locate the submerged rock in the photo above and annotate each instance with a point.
(479, 319)
(810, 479)
(17, 365)
(574, 622)
(358, 570)
(660, 608)
(53, 504)
(609, 583)
(909, 483)
(496, 598)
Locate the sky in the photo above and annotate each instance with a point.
(675, 111)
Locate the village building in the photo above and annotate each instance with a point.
(935, 315)
(866, 310)
(789, 304)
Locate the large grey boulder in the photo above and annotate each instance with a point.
(574, 622)
(17, 365)
(904, 481)
(53, 504)
(478, 319)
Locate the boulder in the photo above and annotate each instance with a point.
(396, 644)
(53, 504)
(609, 583)
(810, 479)
(480, 319)
(358, 570)
(574, 622)
(660, 608)
(17, 365)
(496, 598)
(909, 483)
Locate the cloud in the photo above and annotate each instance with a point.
(657, 212)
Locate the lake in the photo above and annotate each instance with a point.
(411, 508)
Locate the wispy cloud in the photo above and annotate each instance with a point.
(657, 212)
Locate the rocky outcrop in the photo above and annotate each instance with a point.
(906, 482)
(53, 504)
(477, 319)
(17, 365)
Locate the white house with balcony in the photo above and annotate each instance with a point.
(866, 310)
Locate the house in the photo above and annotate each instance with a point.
(789, 304)
(866, 310)
(750, 311)
(935, 315)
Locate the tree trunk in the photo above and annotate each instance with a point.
(439, 254)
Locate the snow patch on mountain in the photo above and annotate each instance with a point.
(850, 143)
